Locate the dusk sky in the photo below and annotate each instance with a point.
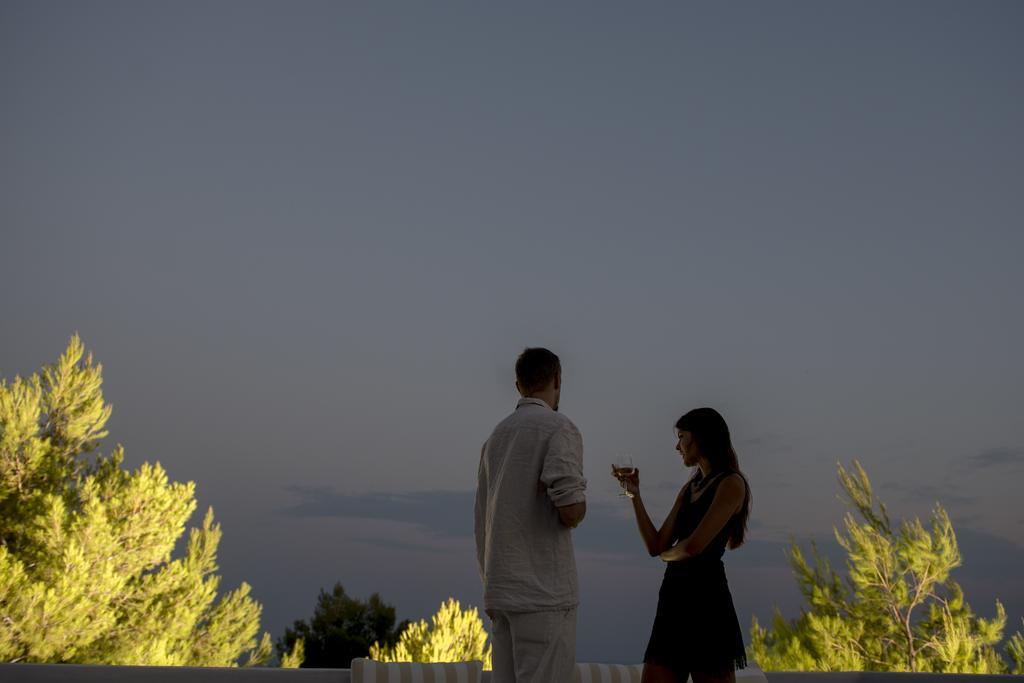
(307, 241)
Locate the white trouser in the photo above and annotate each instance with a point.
(533, 647)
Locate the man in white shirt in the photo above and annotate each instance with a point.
(530, 494)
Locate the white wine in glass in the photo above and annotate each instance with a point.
(623, 467)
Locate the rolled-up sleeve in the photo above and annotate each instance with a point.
(562, 473)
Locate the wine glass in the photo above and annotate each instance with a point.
(623, 466)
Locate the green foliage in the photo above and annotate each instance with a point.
(1015, 649)
(341, 629)
(86, 573)
(454, 636)
(898, 609)
(293, 659)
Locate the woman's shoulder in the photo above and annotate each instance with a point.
(733, 482)
(725, 484)
(732, 490)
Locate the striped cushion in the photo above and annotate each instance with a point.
(370, 671)
(608, 673)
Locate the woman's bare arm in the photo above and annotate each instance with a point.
(727, 502)
(655, 540)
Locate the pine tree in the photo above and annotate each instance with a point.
(453, 636)
(341, 629)
(86, 573)
(1015, 649)
(898, 610)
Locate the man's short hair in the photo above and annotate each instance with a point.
(535, 369)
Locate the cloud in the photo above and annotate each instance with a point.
(997, 457)
(395, 544)
(990, 572)
(930, 493)
(765, 443)
(444, 513)
(607, 529)
(449, 514)
(990, 565)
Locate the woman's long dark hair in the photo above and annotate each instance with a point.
(712, 435)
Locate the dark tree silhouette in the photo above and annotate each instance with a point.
(341, 629)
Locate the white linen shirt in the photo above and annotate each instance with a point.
(531, 465)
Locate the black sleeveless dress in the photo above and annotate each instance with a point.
(696, 628)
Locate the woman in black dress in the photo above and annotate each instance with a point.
(696, 631)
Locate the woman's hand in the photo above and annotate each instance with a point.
(674, 554)
(629, 479)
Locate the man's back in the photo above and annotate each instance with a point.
(531, 465)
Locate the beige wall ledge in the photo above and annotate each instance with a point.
(85, 673)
